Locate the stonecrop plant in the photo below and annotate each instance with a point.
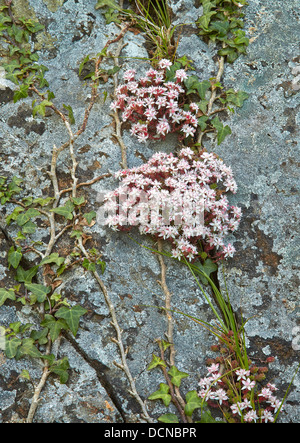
(238, 394)
(178, 198)
(156, 106)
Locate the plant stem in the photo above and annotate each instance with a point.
(118, 340)
(38, 389)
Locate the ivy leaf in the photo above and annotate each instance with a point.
(41, 108)
(202, 122)
(88, 265)
(168, 418)
(54, 326)
(191, 83)
(14, 257)
(65, 211)
(60, 368)
(177, 376)
(26, 276)
(156, 361)
(192, 402)
(107, 3)
(70, 113)
(53, 258)
(223, 131)
(40, 336)
(89, 216)
(5, 295)
(29, 228)
(221, 27)
(71, 316)
(78, 201)
(237, 98)
(24, 374)
(40, 291)
(21, 93)
(162, 394)
(81, 66)
(204, 21)
(43, 201)
(13, 215)
(202, 88)
(11, 347)
(28, 348)
(23, 218)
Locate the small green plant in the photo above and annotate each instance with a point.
(20, 63)
(221, 23)
(153, 17)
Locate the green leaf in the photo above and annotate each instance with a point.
(42, 201)
(53, 258)
(11, 347)
(29, 228)
(177, 376)
(6, 295)
(222, 27)
(192, 402)
(28, 348)
(102, 265)
(223, 131)
(24, 374)
(107, 3)
(168, 418)
(170, 73)
(156, 361)
(81, 66)
(41, 108)
(162, 394)
(89, 216)
(26, 276)
(78, 201)
(60, 368)
(204, 20)
(71, 114)
(71, 316)
(90, 266)
(206, 416)
(237, 98)
(202, 88)
(23, 218)
(21, 93)
(14, 257)
(208, 267)
(54, 326)
(15, 326)
(40, 291)
(40, 336)
(65, 211)
(14, 214)
(191, 83)
(202, 122)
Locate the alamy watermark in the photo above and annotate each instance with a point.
(143, 209)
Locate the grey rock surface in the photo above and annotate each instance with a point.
(263, 276)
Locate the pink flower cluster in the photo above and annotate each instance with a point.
(178, 198)
(155, 106)
(260, 407)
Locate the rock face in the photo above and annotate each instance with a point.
(263, 276)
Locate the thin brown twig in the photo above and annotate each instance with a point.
(170, 321)
(213, 97)
(118, 340)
